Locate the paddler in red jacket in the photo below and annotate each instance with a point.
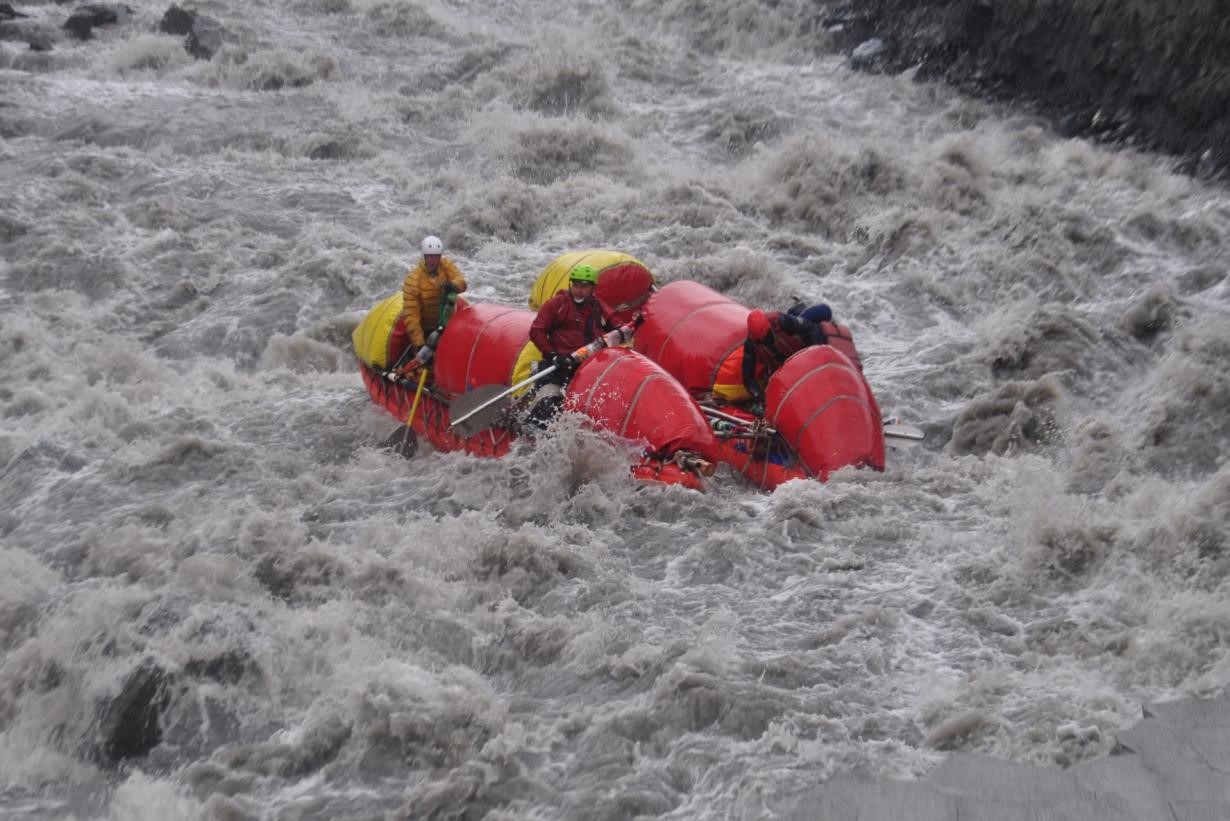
(570, 320)
(773, 336)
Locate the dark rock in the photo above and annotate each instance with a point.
(26, 31)
(1129, 72)
(869, 54)
(130, 725)
(203, 35)
(20, 28)
(82, 21)
(177, 21)
(11, 227)
(228, 668)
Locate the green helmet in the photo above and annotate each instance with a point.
(583, 273)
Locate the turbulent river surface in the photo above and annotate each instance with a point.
(220, 598)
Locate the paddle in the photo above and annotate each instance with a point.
(895, 435)
(737, 420)
(407, 443)
(902, 436)
(479, 409)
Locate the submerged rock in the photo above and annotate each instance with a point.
(81, 22)
(203, 35)
(1017, 417)
(130, 725)
(15, 26)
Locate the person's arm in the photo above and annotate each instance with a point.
(749, 371)
(412, 309)
(453, 275)
(540, 329)
(808, 331)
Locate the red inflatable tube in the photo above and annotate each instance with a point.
(667, 473)
(634, 398)
(824, 409)
(480, 346)
(431, 420)
(624, 288)
(690, 330)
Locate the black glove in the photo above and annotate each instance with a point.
(447, 288)
(564, 364)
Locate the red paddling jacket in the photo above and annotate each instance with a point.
(562, 325)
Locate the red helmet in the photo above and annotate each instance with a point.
(758, 327)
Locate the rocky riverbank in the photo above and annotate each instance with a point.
(1147, 73)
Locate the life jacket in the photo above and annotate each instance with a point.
(728, 384)
(838, 336)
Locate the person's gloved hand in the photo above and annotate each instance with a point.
(447, 288)
(564, 364)
(424, 355)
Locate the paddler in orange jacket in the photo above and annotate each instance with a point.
(429, 282)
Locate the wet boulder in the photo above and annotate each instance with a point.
(203, 35)
(39, 40)
(1017, 417)
(130, 724)
(18, 27)
(82, 22)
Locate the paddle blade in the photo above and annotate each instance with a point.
(403, 440)
(902, 436)
(478, 409)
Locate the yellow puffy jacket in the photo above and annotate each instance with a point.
(420, 310)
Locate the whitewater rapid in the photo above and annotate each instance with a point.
(222, 599)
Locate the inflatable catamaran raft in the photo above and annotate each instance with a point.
(676, 389)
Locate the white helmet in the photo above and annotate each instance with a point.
(432, 245)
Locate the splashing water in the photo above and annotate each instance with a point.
(222, 600)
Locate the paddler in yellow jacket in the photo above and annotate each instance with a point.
(427, 284)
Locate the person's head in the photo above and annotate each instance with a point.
(582, 280)
(818, 313)
(433, 248)
(758, 328)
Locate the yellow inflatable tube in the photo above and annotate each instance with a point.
(371, 336)
(624, 282)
